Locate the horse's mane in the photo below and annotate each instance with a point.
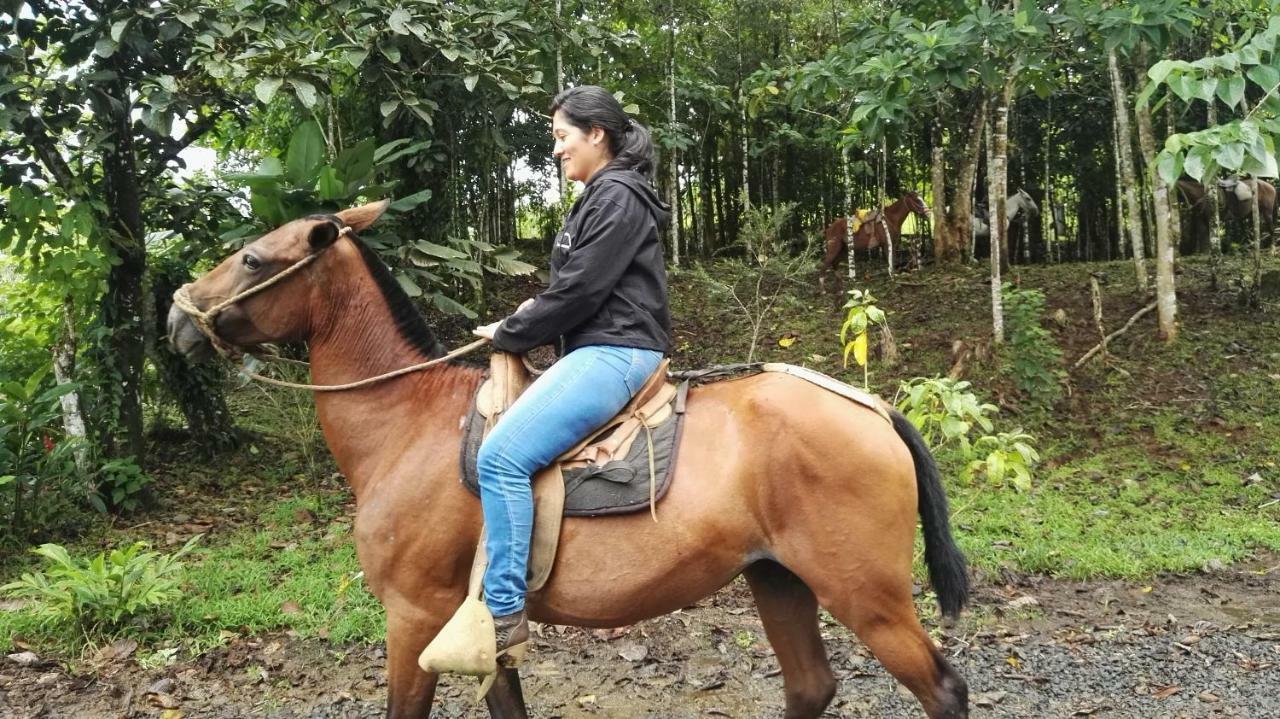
(412, 327)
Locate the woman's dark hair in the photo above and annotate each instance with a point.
(589, 106)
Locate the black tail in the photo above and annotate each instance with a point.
(947, 570)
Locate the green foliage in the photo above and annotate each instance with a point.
(1030, 354)
(39, 483)
(1249, 73)
(120, 483)
(944, 410)
(1007, 457)
(862, 315)
(304, 182)
(761, 230)
(103, 594)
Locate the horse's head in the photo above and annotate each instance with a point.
(264, 292)
(915, 203)
(1240, 187)
(1028, 204)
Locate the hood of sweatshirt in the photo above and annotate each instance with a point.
(637, 184)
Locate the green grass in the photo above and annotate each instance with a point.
(276, 575)
(1114, 513)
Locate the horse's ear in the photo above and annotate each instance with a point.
(361, 217)
(323, 234)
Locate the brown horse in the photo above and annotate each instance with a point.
(871, 233)
(1197, 218)
(1239, 194)
(813, 498)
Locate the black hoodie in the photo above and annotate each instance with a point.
(608, 279)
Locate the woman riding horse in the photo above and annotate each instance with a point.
(606, 303)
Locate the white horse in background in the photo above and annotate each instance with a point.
(1016, 203)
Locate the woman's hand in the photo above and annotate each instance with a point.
(486, 331)
(525, 304)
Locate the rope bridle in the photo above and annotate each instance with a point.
(204, 322)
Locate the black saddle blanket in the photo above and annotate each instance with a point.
(619, 487)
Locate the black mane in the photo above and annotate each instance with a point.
(408, 320)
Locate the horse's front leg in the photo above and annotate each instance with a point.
(410, 690)
(505, 699)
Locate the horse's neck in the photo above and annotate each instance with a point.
(1012, 206)
(356, 338)
(896, 213)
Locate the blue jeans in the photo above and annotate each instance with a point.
(577, 395)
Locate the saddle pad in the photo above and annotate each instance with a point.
(617, 487)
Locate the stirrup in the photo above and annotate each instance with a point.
(466, 643)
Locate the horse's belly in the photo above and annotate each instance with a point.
(618, 570)
(615, 571)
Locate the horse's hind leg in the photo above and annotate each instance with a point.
(879, 610)
(790, 615)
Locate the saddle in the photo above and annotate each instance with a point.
(645, 432)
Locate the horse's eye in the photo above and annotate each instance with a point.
(251, 263)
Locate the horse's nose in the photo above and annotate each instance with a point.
(184, 338)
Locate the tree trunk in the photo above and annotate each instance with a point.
(938, 183)
(997, 180)
(850, 212)
(1048, 229)
(674, 189)
(64, 370)
(564, 182)
(880, 201)
(122, 305)
(1255, 286)
(1166, 295)
(960, 218)
(1120, 188)
(1123, 147)
(1211, 194)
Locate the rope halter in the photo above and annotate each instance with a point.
(204, 321)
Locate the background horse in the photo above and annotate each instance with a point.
(871, 233)
(813, 498)
(1196, 218)
(1014, 205)
(1239, 194)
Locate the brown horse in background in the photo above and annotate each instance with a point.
(810, 496)
(1239, 193)
(870, 234)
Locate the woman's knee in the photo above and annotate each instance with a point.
(492, 460)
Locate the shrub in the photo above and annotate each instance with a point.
(944, 410)
(1004, 457)
(105, 593)
(40, 486)
(1030, 355)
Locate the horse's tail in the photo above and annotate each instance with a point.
(948, 572)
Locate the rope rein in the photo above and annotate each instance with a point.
(204, 321)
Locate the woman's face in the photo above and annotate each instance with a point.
(581, 154)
